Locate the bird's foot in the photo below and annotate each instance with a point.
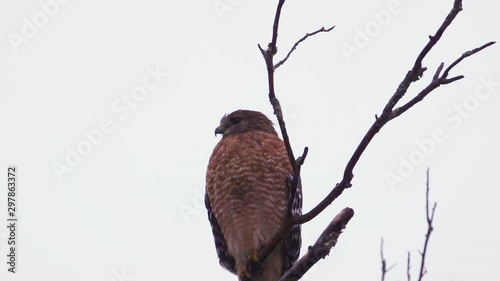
(253, 266)
(244, 275)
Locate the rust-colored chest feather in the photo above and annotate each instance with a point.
(246, 182)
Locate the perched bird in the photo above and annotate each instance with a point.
(248, 196)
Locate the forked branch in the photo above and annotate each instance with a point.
(429, 213)
(388, 113)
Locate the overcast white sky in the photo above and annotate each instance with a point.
(108, 109)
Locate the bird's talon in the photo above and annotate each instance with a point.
(254, 264)
(245, 275)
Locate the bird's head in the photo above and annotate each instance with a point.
(241, 121)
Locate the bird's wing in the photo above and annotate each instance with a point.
(225, 260)
(293, 241)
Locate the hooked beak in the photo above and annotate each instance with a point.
(220, 130)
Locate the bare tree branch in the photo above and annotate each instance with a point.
(387, 115)
(320, 249)
(430, 218)
(268, 55)
(384, 262)
(385, 269)
(429, 215)
(322, 29)
(437, 81)
(379, 123)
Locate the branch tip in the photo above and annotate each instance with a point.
(438, 72)
(322, 29)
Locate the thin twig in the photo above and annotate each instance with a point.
(408, 267)
(430, 218)
(322, 29)
(385, 269)
(465, 55)
(320, 249)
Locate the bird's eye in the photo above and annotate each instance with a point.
(235, 120)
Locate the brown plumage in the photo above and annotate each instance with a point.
(247, 195)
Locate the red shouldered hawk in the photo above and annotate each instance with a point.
(248, 193)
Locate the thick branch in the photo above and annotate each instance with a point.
(321, 248)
